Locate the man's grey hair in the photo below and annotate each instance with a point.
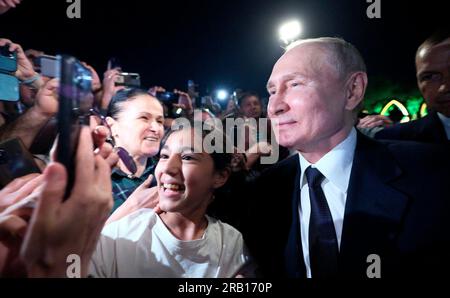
(344, 56)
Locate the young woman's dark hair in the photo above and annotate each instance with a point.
(221, 160)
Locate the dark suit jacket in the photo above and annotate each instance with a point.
(398, 206)
(428, 129)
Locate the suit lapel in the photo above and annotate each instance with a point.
(373, 208)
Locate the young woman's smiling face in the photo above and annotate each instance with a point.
(186, 175)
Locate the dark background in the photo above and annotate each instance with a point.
(230, 44)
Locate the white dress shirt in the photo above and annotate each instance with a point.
(446, 123)
(336, 167)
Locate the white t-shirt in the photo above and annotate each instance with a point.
(140, 245)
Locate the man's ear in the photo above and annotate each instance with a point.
(221, 177)
(355, 89)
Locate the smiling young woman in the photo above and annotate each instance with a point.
(182, 241)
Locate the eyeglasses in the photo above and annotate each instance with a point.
(123, 154)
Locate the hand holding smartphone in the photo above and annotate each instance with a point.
(75, 102)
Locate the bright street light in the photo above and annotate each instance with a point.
(222, 94)
(290, 31)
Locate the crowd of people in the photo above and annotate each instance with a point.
(151, 199)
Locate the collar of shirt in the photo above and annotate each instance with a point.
(336, 165)
(446, 123)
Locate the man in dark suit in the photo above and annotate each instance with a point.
(345, 206)
(433, 80)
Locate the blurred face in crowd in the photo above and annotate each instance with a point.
(186, 179)
(138, 126)
(433, 76)
(308, 103)
(251, 107)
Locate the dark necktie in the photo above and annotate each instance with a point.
(323, 245)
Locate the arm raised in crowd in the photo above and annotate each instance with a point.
(28, 125)
(25, 70)
(109, 87)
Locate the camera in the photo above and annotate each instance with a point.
(128, 79)
(47, 66)
(168, 98)
(9, 83)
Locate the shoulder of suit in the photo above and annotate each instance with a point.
(416, 153)
(408, 127)
(288, 165)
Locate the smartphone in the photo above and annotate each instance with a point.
(15, 161)
(75, 102)
(9, 84)
(128, 79)
(47, 66)
(9, 87)
(167, 97)
(8, 60)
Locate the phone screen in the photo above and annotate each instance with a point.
(49, 66)
(9, 87)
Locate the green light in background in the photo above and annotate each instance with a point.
(423, 110)
(378, 107)
(413, 106)
(395, 103)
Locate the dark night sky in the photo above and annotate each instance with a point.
(230, 44)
